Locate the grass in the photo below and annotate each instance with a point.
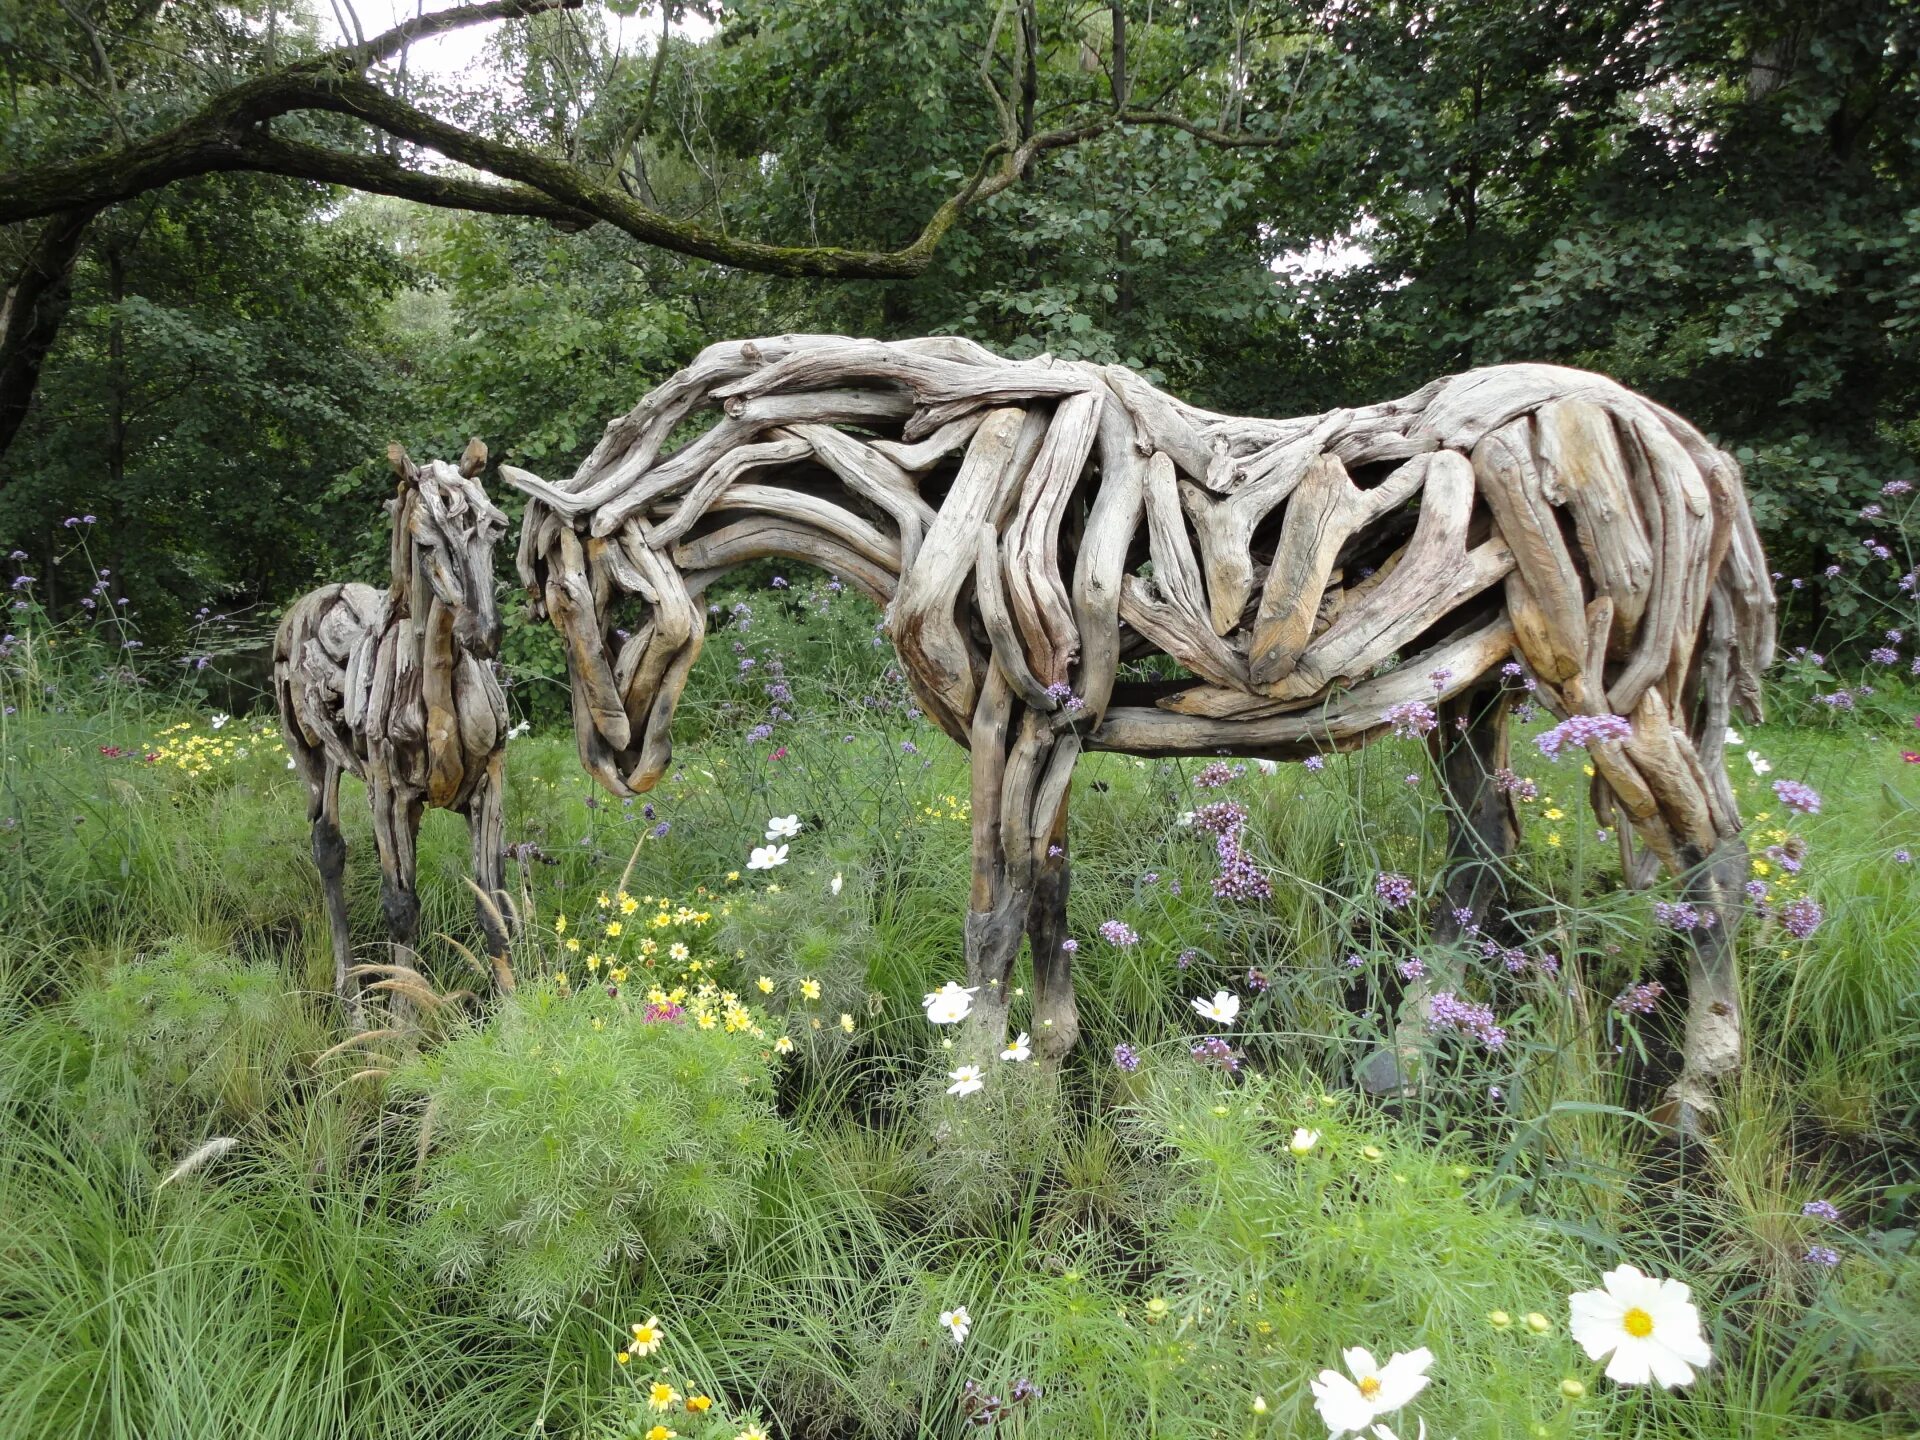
(1144, 1246)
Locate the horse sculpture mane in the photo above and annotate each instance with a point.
(1031, 526)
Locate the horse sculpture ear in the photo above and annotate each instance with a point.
(474, 458)
(402, 466)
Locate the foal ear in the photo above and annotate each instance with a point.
(402, 466)
(474, 458)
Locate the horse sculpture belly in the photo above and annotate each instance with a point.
(1309, 574)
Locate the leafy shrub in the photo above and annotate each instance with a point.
(183, 1038)
(575, 1134)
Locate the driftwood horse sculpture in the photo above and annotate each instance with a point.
(396, 687)
(1030, 526)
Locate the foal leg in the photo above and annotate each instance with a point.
(330, 859)
(485, 819)
(396, 827)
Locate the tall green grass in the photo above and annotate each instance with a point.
(164, 963)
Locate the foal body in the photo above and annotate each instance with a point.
(396, 687)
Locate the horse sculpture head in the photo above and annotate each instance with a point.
(444, 531)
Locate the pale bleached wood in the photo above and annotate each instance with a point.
(875, 479)
(1035, 591)
(1578, 455)
(1225, 526)
(570, 606)
(1325, 511)
(1101, 563)
(721, 474)
(933, 649)
(1176, 569)
(1503, 465)
(1437, 573)
(949, 439)
(1351, 717)
(991, 597)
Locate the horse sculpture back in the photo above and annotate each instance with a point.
(1031, 526)
(396, 688)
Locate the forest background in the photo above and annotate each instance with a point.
(1715, 202)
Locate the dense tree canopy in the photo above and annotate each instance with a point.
(1270, 206)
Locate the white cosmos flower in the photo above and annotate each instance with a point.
(783, 827)
(1375, 1389)
(835, 883)
(765, 857)
(1303, 1140)
(1222, 1009)
(966, 1080)
(517, 731)
(1019, 1049)
(1761, 765)
(958, 1322)
(1268, 767)
(1734, 737)
(219, 719)
(949, 1004)
(1649, 1326)
(1382, 1432)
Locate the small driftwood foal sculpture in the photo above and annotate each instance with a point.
(395, 687)
(1031, 526)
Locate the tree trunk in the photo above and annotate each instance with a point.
(37, 300)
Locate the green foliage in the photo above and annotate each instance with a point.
(573, 1134)
(1145, 1248)
(185, 1041)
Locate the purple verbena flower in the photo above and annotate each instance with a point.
(1216, 1053)
(1823, 1255)
(1212, 776)
(1801, 916)
(1447, 1013)
(1315, 763)
(1118, 932)
(1798, 797)
(1639, 999)
(1394, 888)
(1821, 1210)
(1584, 731)
(1126, 1057)
(1411, 719)
(1682, 915)
(1222, 817)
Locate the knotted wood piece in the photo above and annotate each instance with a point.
(397, 689)
(1029, 523)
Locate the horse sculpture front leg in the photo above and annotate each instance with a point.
(1022, 770)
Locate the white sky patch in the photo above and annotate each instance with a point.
(459, 56)
(1331, 258)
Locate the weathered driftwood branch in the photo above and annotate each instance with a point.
(397, 689)
(1031, 523)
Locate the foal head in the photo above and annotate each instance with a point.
(444, 531)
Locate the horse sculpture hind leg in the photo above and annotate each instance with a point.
(322, 778)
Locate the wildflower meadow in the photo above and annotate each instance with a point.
(715, 1167)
